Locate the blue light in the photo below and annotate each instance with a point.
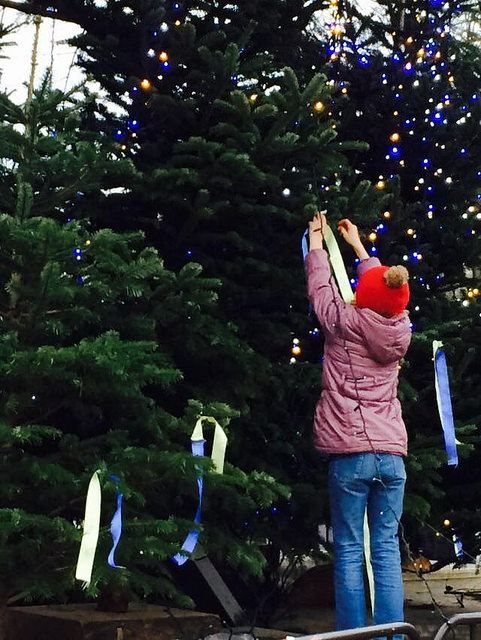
(396, 57)
(395, 151)
(463, 151)
(119, 134)
(189, 253)
(134, 124)
(373, 250)
(426, 162)
(474, 97)
(430, 189)
(363, 61)
(166, 65)
(437, 116)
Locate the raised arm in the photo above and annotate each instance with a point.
(321, 288)
(350, 233)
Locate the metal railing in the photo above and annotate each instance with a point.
(365, 633)
(460, 619)
(399, 628)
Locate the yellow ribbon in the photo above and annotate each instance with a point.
(345, 289)
(218, 446)
(91, 530)
(367, 556)
(337, 265)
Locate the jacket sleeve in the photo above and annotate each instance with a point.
(322, 290)
(367, 264)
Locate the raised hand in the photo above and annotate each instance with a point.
(317, 227)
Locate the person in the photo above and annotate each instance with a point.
(358, 424)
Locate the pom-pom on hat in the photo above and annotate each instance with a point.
(384, 290)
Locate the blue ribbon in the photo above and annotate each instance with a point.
(192, 537)
(116, 526)
(445, 406)
(304, 248)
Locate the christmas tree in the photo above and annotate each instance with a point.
(408, 77)
(89, 383)
(233, 153)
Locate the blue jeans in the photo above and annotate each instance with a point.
(374, 481)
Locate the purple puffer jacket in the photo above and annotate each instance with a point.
(360, 372)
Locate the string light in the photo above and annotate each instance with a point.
(319, 106)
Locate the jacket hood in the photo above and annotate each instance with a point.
(387, 339)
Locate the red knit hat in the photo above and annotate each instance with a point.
(384, 290)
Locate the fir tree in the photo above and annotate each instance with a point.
(407, 78)
(87, 380)
(233, 154)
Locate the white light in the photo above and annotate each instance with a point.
(465, 303)
(405, 258)
(286, 192)
(292, 361)
(164, 27)
(448, 180)
(295, 341)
